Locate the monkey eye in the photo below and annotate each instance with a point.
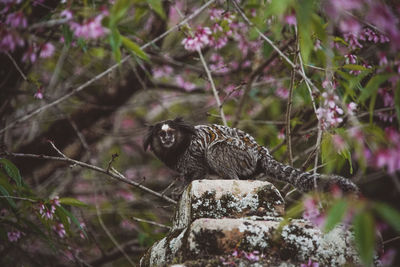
(163, 133)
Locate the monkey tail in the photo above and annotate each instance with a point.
(305, 181)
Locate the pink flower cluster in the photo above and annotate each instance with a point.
(47, 212)
(89, 29)
(329, 114)
(310, 263)
(218, 64)
(163, 71)
(389, 157)
(387, 95)
(187, 86)
(312, 212)
(251, 256)
(14, 236)
(216, 36)
(200, 39)
(60, 230)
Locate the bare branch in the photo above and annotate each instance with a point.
(151, 222)
(119, 176)
(104, 73)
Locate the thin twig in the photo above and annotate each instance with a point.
(119, 177)
(119, 247)
(48, 23)
(290, 102)
(246, 19)
(20, 198)
(104, 73)
(113, 157)
(220, 107)
(16, 66)
(151, 222)
(391, 240)
(250, 84)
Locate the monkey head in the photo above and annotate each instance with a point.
(169, 139)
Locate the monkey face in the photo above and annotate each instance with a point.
(167, 135)
(170, 135)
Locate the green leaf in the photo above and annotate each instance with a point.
(277, 7)
(156, 5)
(115, 43)
(73, 218)
(72, 202)
(335, 214)
(354, 67)
(373, 86)
(118, 11)
(389, 214)
(12, 171)
(134, 48)
(62, 216)
(67, 34)
(6, 194)
(397, 101)
(364, 233)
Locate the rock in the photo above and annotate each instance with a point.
(225, 222)
(227, 198)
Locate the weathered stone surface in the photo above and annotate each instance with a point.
(298, 242)
(220, 222)
(227, 198)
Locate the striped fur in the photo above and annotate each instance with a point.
(229, 153)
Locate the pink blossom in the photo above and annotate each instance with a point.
(281, 134)
(30, 54)
(229, 17)
(163, 71)
(187, 86)
(351, 107)
(38, 94)
(392, 135)
(330, 99)
(55, 201)
(252, 256)
(60, 230)
(17, 20)
(356, 133)
(312, 212)
(382, 59)
(67, 14)
(387, 259)
(350, 25)
(389, 158)
(219, 43)
(351, 59)
(317, 45)
(14, 236)
(200, 39)
(338, 142)
(387, 95)
(352, 40)
(90, 29)
(216, 14)
(47, 50)
(291, 19)
(233, 90)
(310, 264)
(282, 92)
(9, 40)
(216, 28)
(369, 35)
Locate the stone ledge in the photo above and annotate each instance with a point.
(298, 242)
(227, 199)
